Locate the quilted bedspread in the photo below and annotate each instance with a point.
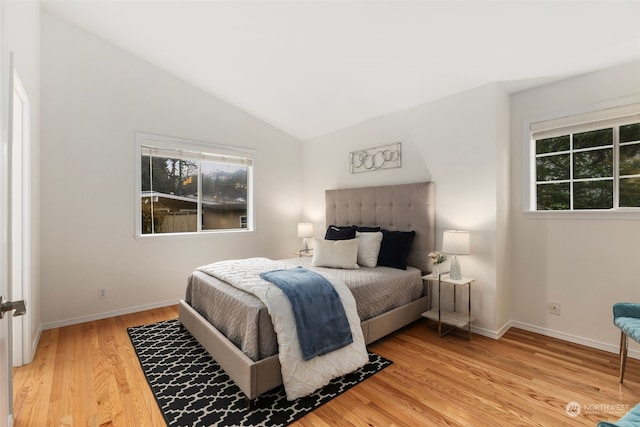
(299, 377)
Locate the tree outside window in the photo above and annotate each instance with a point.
(187, 191)
(595, 169)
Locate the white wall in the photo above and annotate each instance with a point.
(451, 141)
(503, 213)
(586, 264)
(94, 98)
(23, 40)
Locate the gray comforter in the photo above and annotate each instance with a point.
(244, 320)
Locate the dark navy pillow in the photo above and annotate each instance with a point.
(395, 248)
(368, 229)
(336, 232)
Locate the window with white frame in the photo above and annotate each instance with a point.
(192, 187)
(589, 161)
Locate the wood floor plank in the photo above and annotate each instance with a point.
(89, 375)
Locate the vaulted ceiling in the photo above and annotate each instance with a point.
(312, 67)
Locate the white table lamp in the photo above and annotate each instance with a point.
(456, 242)
(305, 230)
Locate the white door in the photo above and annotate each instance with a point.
(5, 334)
(20, 224)
(6, 380)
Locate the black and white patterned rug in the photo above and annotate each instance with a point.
(193, 390)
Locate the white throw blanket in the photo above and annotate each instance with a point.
(299, 377)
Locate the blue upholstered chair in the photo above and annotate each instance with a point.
(626, 316)
(631, 419)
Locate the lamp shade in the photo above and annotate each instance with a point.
(305, 229)
(456, 242)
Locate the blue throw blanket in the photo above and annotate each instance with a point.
(321, 321)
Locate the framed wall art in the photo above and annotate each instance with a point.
(376, 158)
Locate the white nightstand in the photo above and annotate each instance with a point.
(453, 318)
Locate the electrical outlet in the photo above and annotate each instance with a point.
(554, 307)
(102, 293)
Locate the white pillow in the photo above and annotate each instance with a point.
(335, 253)
(369, 248)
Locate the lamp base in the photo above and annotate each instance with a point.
(455, 272)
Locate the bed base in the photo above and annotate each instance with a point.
(255, 378)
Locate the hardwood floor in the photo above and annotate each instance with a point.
(88, 375)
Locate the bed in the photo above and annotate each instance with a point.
(249, 357)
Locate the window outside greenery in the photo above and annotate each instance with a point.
(188, 192)
(589, 170)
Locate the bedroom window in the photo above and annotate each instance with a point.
(191, 187)
(588, 162)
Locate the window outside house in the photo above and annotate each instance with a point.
(188, 187)
(587, 166)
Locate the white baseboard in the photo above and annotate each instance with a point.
(611, 348)
(496, 335)
(485, 332)
(106, 314)
(635, 354)
(34, 344)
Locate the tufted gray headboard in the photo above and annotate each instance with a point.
(402, 207)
